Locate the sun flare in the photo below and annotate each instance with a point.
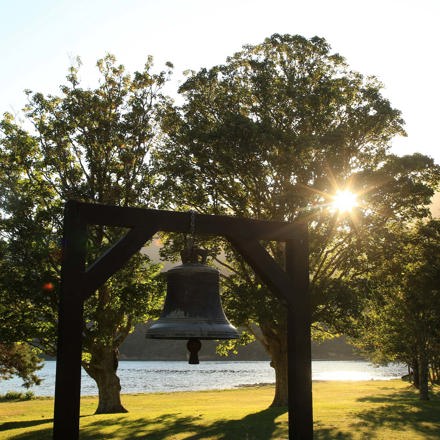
(344, 201)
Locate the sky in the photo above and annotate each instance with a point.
(394, 40)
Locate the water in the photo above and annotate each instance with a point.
(154, 376)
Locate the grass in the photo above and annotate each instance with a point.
(342, 410)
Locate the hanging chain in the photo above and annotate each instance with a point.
(192, 224)
(192, 233)
(188, 252)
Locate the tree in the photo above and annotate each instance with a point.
(91, 145)
(401, 319)
(19, 360)
(17, 356)
(273, 134)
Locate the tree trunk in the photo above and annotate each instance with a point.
(276, 345)
(416, 373)
(103, 370)
(279, 364)
(423, 377)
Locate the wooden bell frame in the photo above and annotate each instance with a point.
(78, 283)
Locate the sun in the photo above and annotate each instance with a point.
(344, 201)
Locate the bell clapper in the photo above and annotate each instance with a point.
(193, 345)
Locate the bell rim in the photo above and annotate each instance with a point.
(177, 329)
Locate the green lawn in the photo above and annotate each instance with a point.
(342, 410)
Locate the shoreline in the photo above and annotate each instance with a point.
(244, 387)
(148, 377)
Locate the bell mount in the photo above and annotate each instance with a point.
(289, 284)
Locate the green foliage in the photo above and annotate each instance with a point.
(15, 395)
(21, 360)
(401, 319)
(90, 145)
(273, 134)
(224, 348)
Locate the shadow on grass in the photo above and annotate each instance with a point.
(401, 411)
(40, 434)
(258, 426)
(330, 434)
(23, 424)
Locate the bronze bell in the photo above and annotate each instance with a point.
(192, 307)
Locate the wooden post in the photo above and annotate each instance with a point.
(299, 340)
(70, 325)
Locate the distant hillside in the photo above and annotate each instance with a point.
(137, 347)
